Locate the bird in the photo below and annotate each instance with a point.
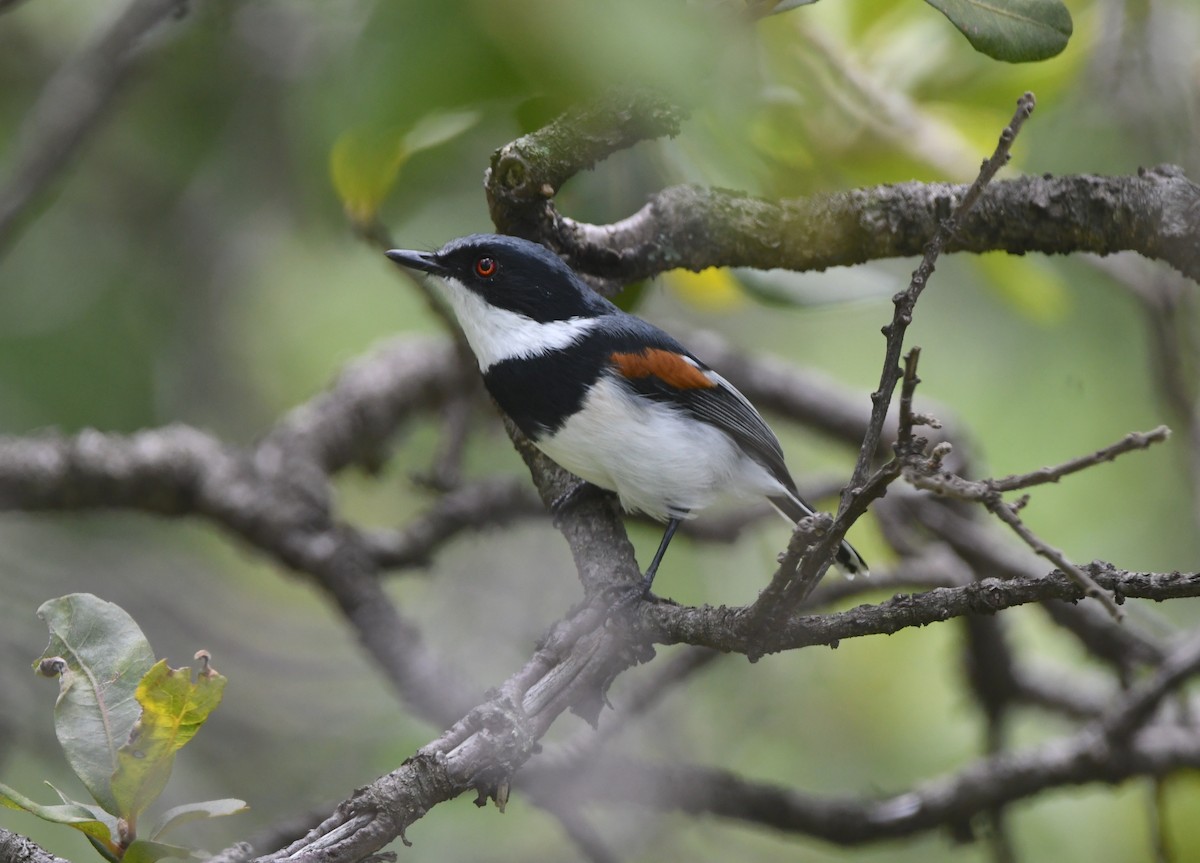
(605, 394)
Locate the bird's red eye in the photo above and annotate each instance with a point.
(485, 267)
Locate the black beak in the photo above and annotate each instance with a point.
(426, 262)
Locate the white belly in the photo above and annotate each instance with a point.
(656, 460)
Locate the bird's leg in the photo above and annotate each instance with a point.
(627, 595)
(648, 578)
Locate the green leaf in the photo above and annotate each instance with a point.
(188, 812)
(437, 128)
(365, 162)
(144, 851)
(99, 654)
(96, 824)
(1018, 31)
(173, 709)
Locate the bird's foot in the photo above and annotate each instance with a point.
(622, 598)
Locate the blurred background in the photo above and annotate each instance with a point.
(195, 263)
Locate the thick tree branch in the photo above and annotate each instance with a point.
(574, 665)
(275, 496)
(526, 174)
(1152, 213)
(948, 802)
(580, 657)
(352, 421)
(1115, 746)
(694, 227)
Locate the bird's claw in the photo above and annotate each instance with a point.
(621, 598)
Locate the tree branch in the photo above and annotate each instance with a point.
(527, 173)
(275, 497)
(486, 503)
(728, 629)
(948, 802)
(573, 667)
(351, 422)
(1114, 747)
(18, 849)
(694, 227)
(73, 103)
(988, 492)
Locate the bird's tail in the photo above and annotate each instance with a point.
(793, 508)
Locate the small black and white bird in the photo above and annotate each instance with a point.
(606, 395)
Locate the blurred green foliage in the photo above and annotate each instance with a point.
(195, 264)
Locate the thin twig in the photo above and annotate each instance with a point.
(906, 300)
(812, 546)
(1129, 443)
(988, 492)
(1007, 513)
(908, 388)
(1121, 645)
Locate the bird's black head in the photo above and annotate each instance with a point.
(510, 273)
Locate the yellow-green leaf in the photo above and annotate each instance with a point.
(174, 706)
(364, 164)
(98, 654)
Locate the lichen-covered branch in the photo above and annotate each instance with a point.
(1152, 212)
(729, 629)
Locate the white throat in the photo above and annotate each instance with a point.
(497, 334)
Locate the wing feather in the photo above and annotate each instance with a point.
(667, 373)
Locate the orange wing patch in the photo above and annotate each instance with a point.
(667, 366)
